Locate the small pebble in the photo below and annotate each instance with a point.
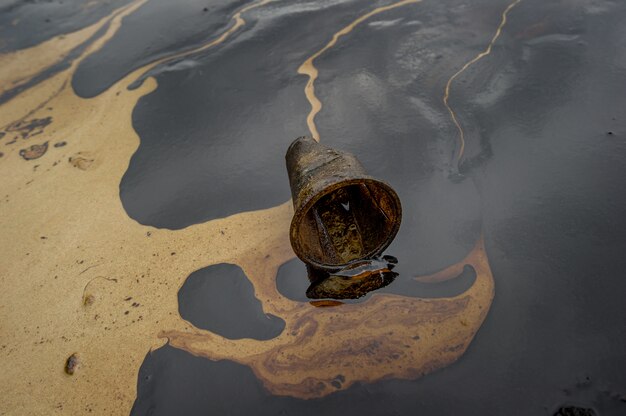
(71, 364)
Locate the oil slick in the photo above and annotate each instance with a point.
(308, 67)
(18, 69)
(73, 199)
(481, 55)
(388, 336)
(237, 22)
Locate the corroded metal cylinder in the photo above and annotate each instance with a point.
(342, 215)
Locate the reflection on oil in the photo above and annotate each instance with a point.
(292, 282)
(353, 281)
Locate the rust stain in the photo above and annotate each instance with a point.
(325, 303)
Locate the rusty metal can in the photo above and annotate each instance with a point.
(341, 214)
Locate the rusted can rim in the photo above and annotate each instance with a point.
(304, 210)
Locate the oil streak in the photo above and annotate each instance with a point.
(238, 23)
(309, 69)
(114, 21)
(487, 51)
